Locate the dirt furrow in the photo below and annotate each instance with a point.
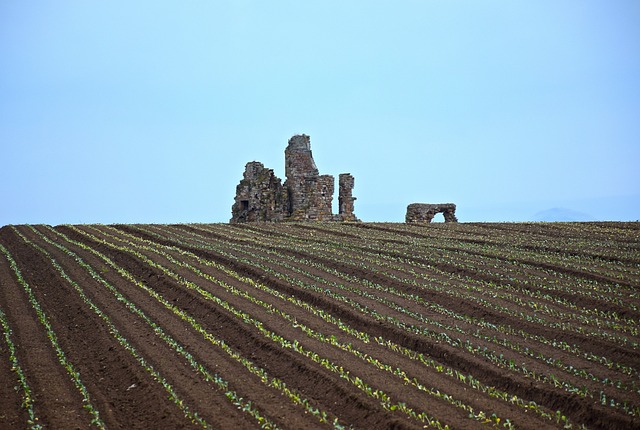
(273, 283)
(238, 320)
(542, 394)
(57, 402)
(211, 402)
(435, 379)
(130, 396)
(430, 233)
(596, 346)
(568, 358)
(375, 274)
(530, 252)
(12, 412)
(312, 379)
(410, 306)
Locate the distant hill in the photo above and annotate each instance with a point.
(562, 215)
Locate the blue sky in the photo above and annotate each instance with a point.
(141, 112)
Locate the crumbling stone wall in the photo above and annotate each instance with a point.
(305, 195)
(345, 200)
(424, 213)
(260, 196)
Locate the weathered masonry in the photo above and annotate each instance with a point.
(305, 194)
(424, 213)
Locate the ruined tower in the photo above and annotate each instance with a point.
(310, 194)
(305, 195)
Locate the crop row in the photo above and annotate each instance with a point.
(53, 338)
(500, 254)
(320, 325)
(254, 257)
(455, 374)
(552, 379)
(585, 241)
(23, 384)
(452, 372)
(293, 344)
(502, 265)
(222, 384)
(371, 254)
(233, 396)
(344, 327)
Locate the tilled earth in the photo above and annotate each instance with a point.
(320, 325)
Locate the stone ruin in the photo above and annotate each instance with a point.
(305, 194)
(260, 196)
(424, 213)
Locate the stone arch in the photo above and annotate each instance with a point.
(424, 213)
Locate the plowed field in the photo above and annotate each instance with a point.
(372, 326)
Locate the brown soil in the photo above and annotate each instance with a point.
(316, 263)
